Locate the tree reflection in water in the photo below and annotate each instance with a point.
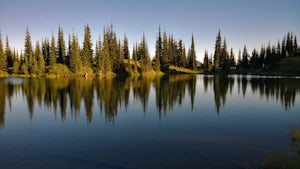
(57, 95)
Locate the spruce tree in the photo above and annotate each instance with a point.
(245, 56)
(205, 62)
(46, 51)
(87, 51)
(9, 54)
(158, 51)
(134, 58)
(53, 52)
(126, 53)
(192, 56)
(3, 58)
(28, 53)
(181, 54)
(105, 55)
(218, 51)
(39, 59)
(75, 62)
(164, 60)
(239, 61)
(224, 60)
(61, 47)
(295, 47)
(143, 54)
(16, 64)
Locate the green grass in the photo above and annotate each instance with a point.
(175, 69)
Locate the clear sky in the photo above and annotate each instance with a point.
(242, 22)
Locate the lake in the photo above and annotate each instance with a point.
(176, 121)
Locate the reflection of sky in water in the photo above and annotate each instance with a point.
(245, 130)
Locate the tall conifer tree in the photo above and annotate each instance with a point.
(218, 51)
(3, 58)
(87, 51)
(61, 47)
(28, 53)
(53, 52)
(192, 56)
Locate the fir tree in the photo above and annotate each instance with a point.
(61, 47)
(218, 50)
(3, 59)
(158, 51)
(192, 56)
(239, 61)
(245, 56)
(164, 61)
(181, 54)
(28, 53)
(75, 62)
(87, 51)
(53, 52)
(295, 47)
(39, 59)
(46, 51)
(9, 54)
(134, 58)
(143, 54)
(231, 59)
(224, 59)
(105, 55)
(205, 62)
(16, 64)
(126, 53)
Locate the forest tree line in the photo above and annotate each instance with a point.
(110, 55)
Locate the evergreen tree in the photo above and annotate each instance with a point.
(158, 51)
(28, 53)
(254, 60)
(61, 47)
(75, 62)
(105, 55)
(289, 44)
(295, 47)
(16, 64)
(164, 61)
(245, 56)
(126, 53)
(283, 48)
(192, 56)
(53, 52)
(46, 51)
(231, 59)
(224, 59)
(143, 54)
(205, 62)
(134, 58)
(87, 51)
(9, 54)
(121, 66)
(181, 54)
(218, 50)
(3, 59)
(99, 62)
(39, 59)
(239, 61)
(69, 53)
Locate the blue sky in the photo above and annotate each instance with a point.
(242, 22)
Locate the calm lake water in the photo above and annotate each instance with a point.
(170, 122)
